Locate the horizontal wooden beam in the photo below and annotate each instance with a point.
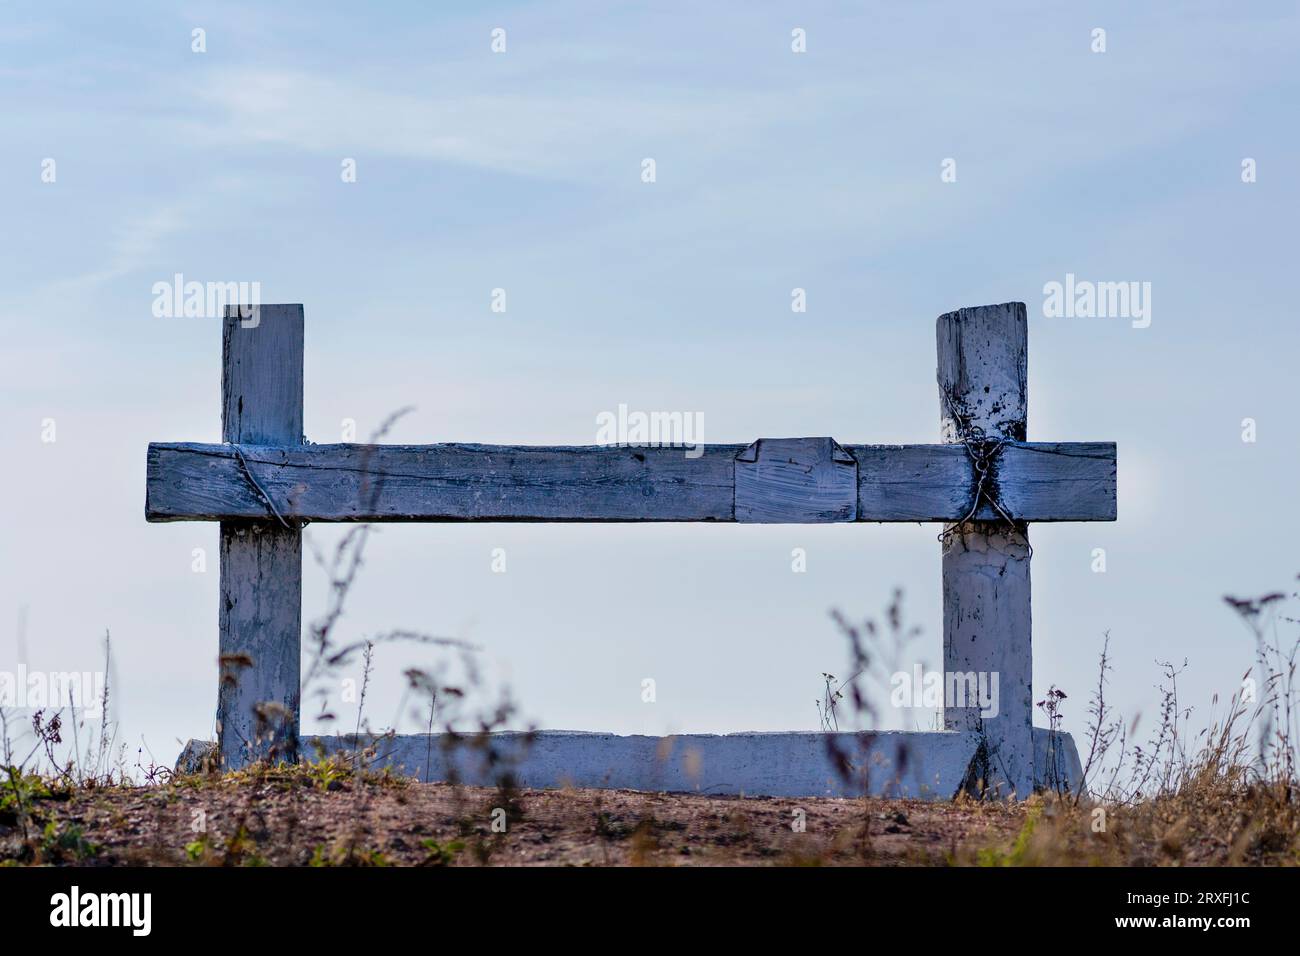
(1034, 481)
(1072, 481)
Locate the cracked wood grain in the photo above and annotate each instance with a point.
(460, 482)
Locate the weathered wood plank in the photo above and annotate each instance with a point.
(261, 376)
(1072, 481)
(447, 482)
(984, 369)
(260, 613)
(796, 481)
(1056, 481)
(1038, 481)
(260, 627)
(982, 377)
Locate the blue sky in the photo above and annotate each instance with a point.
(521, 171)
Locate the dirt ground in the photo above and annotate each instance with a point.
(323, 814)
(286, 822)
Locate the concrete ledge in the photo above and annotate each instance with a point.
(1056, 762)
(932, 765)
(767, 764)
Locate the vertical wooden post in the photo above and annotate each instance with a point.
(261, 561)
(983, 365)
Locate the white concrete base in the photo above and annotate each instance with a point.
(796, 764)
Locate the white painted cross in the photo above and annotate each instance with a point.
(985, 482)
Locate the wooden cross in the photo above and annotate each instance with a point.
(985, 482)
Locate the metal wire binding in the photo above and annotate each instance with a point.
(982, 452)
(261, 493)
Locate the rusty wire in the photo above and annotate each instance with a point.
(258, 489)
(982, 452)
